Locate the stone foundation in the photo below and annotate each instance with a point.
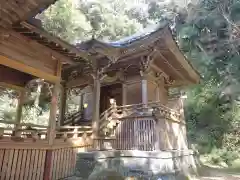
(142, 164)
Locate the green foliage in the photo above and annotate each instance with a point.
(222, 157)
(209, 38)
(8, 104)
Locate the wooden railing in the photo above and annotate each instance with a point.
(73, 118)
(23, 130)
(28, 132)
(82, 133)
(111, 117)
(25, 154)
(140, 126)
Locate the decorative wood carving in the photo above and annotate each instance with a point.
(109, 79)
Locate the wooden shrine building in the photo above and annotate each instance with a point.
(129, 79)
(123, 87)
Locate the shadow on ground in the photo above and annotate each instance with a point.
(209, 173)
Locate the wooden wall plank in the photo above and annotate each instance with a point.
(19, 163)
(59, 174)
(31, 163)
(39, 165)
(23, 165)
(54, 164)
(1, 159)
(36, 163)
(61, 164)
(74, 160)
(69, 161)
(14, 165)
(65, 163)
(4, 165)
(43, 164)
(9, 164)
(57, 164)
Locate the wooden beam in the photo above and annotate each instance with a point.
(173, 68)
(96, 103)
(81, 81)
(27, 69)
(57, 41)
(11, 86)
(124, 94)
(62, 105)
(158, 69)
(52, 118)
(19, 109)
(59, 69)
(180, 57)
(43, 48)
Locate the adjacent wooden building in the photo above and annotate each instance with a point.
(124, 100)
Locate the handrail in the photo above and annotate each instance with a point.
(72, 117)
(73, 127)
(141, 106)
(147, 104)
(23, 124)
(105, 112)
(126, 110)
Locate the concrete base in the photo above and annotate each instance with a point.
(141, 164)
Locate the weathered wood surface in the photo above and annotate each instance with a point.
(144, 127)
(22, 164)
(39, 163)
(14, 11)
(146, 134)
(13, 77)
(18, 48)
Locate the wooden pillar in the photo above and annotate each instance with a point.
(19, 109)
(96, 102)
(62, 107)
(52, 118)
(81, 102)
(48, 165)
(124, 94)
(144, 91)
(157, 93)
